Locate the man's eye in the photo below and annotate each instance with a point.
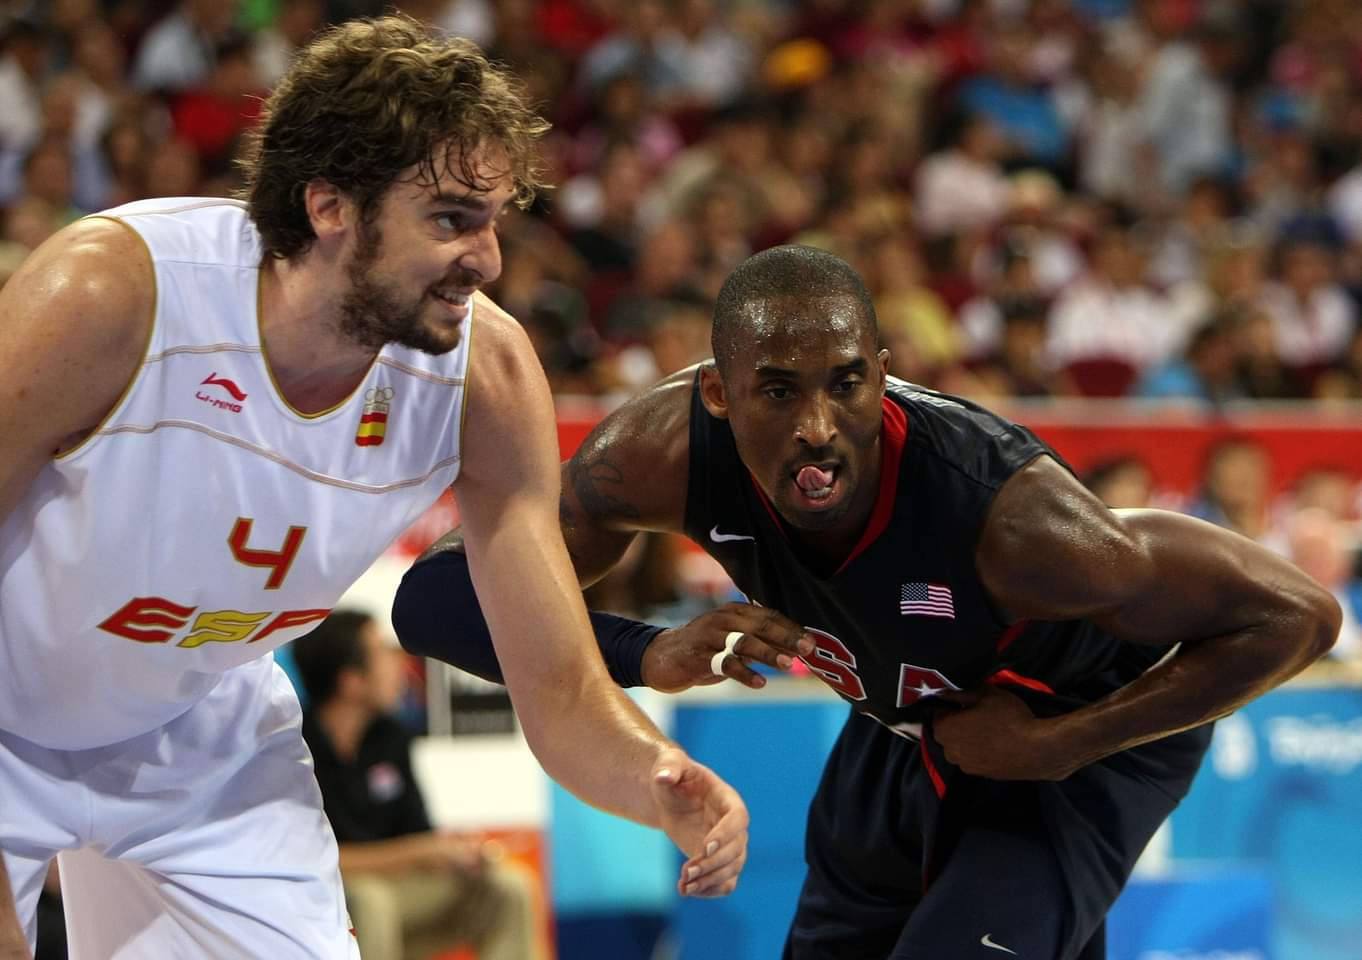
(451, 221)
(846, 386)
(778, 393)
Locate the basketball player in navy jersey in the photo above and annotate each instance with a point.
(1017, 732)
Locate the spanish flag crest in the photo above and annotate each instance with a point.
(373, 421)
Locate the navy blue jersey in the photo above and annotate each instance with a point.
(906, 616)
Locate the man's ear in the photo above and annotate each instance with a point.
(330, 212)
(883, 357)
(712, 393)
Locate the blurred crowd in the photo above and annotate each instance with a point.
(1152, 198)
(1105, 197)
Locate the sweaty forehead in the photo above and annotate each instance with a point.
(780, 330)
(481, 173)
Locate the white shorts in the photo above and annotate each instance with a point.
(204, 838)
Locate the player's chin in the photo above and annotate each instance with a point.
(816, 519)
(436, 334)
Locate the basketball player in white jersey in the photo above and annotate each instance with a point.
(214, 416)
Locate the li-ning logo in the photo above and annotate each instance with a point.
(235, 392)
(373, 422)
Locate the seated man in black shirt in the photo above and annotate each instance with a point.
(412, 891)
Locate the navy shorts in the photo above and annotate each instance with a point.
(897, 871)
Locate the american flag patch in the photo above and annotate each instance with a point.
(926, 600)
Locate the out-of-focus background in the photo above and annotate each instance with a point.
(1135, 225)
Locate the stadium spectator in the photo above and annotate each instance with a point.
(1312, 316)
(179, 51)
(1234, 488)
(1121, 482)
(412, 891)
(1112, 314)
(1203, 374)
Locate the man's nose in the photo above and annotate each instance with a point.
(483, 256)
(815, 426)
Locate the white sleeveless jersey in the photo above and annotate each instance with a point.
(205, 522)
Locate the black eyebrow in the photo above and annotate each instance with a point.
(859, 365)
(468, 201)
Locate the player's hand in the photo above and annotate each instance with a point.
(992, 733)
(706, 818)
(682, 658)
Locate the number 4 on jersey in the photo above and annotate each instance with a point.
(278, 561)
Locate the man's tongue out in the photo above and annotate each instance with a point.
(814, 480)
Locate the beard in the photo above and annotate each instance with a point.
(373, 313)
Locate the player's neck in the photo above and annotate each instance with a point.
(314, 366)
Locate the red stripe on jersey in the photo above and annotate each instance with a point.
(1031, 683)
(938, 784)
(1012, 633)
(761, 495)
(373, 418)
(893, 437)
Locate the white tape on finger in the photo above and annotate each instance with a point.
(716, 662)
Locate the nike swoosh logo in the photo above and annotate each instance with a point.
(987, 941)
(718, 537)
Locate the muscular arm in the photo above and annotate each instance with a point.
(73, 324)
(583, 729)
(1247, 619)
(630, 474)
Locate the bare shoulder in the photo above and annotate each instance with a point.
(655, 423)
(510, 435)
(96, 270)
(78, 311)
(499, 348)
(632, 471)
(1051, 549)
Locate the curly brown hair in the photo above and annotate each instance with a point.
(370, 99)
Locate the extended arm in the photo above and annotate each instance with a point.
(73, 323)
(629, 475)
(624, 478)
(1246, 619)
(583, 729)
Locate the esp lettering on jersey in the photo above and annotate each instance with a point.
(160, 620)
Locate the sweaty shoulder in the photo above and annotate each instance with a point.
(639, 456)
(97, 270)
(509, 411)
(79, 310)
(498, 342)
